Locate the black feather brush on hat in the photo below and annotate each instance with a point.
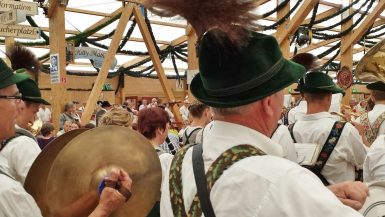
(23, 58)
(204, 15)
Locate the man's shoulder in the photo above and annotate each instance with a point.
(8, 184)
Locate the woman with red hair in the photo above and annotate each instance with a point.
(153, 123)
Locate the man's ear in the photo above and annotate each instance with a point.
(267, 106)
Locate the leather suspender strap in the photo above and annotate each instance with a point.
(275, 131)
(327, 150)
(188, 136)
(291, 128)
(201, 181)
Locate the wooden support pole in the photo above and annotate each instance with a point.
(9, 43)
(347, 56)
(102, 76)
(298, 18)
(361, 30)
(57, 46)
(156, 61)
(281, 29)
(192, 58)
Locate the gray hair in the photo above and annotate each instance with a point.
(67, 106)
(233, 110)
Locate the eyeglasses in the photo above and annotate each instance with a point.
(17, 97)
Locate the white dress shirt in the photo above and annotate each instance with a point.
(263, 186)
(20, 153)
(374, 165)
(282, 137)
(14, 200)
(297, 112)
(44, 115)
(184, 112)
(348, 153)
(373, 115)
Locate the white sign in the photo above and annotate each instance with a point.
(54, 69)
(30, 8)
(19, 31)
(12, 17)
(94, 54)
(190, 75)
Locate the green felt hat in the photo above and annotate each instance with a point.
(318, 82)
(30, 92)
(378, 85)
(234, 76)
(8, 77)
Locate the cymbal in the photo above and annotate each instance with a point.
(40, 168)
(371, 66)
(72, 182)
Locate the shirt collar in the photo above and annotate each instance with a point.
(378, 107)
(316, 116)
(220, 136)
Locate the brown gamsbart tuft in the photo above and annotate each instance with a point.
(204, 15)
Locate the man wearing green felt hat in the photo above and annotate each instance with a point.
(373, 121)
(342, 147)
(22, 149)
(374, 125)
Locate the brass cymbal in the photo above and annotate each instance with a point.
(371, 67)
(42, 165)
(72, 182)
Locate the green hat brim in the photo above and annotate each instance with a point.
(14, 79)
(36, 100)
(332, 90)
(379, 85)
(290, 73)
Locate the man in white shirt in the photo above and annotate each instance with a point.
(245, 89)
(184, 111)
(297, 112)
(316, 126)
(143, 105)
(373, 121)
(22, 150)
(44, 114)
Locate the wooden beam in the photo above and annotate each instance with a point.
(262, 2)
(105, 19)
(322, 15)
(57, 46)
(102, 76)
(298, 18)
(336, 5)
(96, 13)
(317, 45)
(175, 42)
(365, 25)
(156, 61)
(192, 59)
(281, 29)
(82, 11)
(52, 5)
(9, 43)
(347, 56)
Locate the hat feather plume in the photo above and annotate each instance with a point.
(22, 57)
(204, 15)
